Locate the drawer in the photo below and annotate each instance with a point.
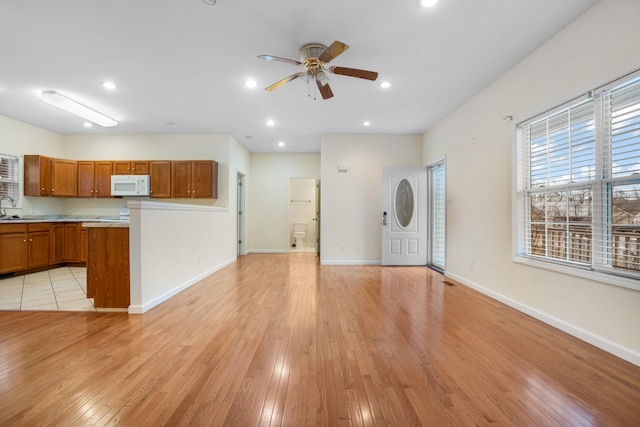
(39, 226)
(13, 228)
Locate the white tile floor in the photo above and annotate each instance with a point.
(62, 288)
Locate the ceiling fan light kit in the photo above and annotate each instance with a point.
(314, 57)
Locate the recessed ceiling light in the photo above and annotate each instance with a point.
(366, 123)
(87, 125)
(280, 144)
(109, 85)
(271, 123)
(385, 85)
(428, 3)
(250, 83)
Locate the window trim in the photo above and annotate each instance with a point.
(610, 276)
(20, 197)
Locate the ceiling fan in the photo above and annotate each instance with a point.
(314, 57)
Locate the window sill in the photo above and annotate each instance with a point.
(610, 279)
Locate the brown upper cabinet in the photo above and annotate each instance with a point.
(64, 178)
(194, 179)
(160, 177)
(130, 167)
(37, 175)
(94, 178)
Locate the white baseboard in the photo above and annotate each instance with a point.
(140, 309)
(268, 251)
(600, 342)
(324, 261)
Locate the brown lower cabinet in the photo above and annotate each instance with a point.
(24, 246)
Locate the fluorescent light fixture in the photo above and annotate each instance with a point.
(428, 3)
(58, 100)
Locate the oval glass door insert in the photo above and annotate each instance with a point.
(404, 203)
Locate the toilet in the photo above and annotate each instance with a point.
(299, 231)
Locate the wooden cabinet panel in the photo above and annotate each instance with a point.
(57, 243)
(64, 178)
(130, 167)
(37, 175)
(39, 247)
(72, 242)
(181, 179)
(121, 167)
(13, 247)
(108, 267)
(160, 179)
(86, 178)
(194, 179)
(83, 244)
(94, 179)
(139, 167)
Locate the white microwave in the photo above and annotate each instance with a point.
(129, 185)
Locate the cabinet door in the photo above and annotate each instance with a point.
(13, 247)
(86, 178)
(64, 178)
(122, 167)
(202, 178)
(181, 179)
(102, 183)
(72, 242)
(57, 243)
(83, 244)
(37, 175)
(160, 177)
(139, 167)
(39, 249)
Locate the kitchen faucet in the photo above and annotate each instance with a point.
(13, 204)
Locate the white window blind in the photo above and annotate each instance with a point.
(580, 188)
(9, 177)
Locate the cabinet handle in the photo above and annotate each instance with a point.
(150, 191)
(31, 240)
(24, 241)
(42, 189)
(92, 191)
(52, 190)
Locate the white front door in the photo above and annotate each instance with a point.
(404, 215)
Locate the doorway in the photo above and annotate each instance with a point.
(303, 215)
(404, 215)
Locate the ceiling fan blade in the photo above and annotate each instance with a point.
(354, 72)
(332, 51)
(325, 90)
(284, 81)
(277, 58)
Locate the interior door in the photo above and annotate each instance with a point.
(404, 215)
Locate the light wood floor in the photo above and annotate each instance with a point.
(279, 340)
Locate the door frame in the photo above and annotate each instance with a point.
(241, 214)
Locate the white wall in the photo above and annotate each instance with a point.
(351, 202)
(268, 197)
(479, 146)
(18, 138)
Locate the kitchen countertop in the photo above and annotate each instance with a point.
(66, 218)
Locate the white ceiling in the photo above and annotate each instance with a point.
(180, 65)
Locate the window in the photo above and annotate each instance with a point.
(579, 183)
(9, 178)
(437, 215)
